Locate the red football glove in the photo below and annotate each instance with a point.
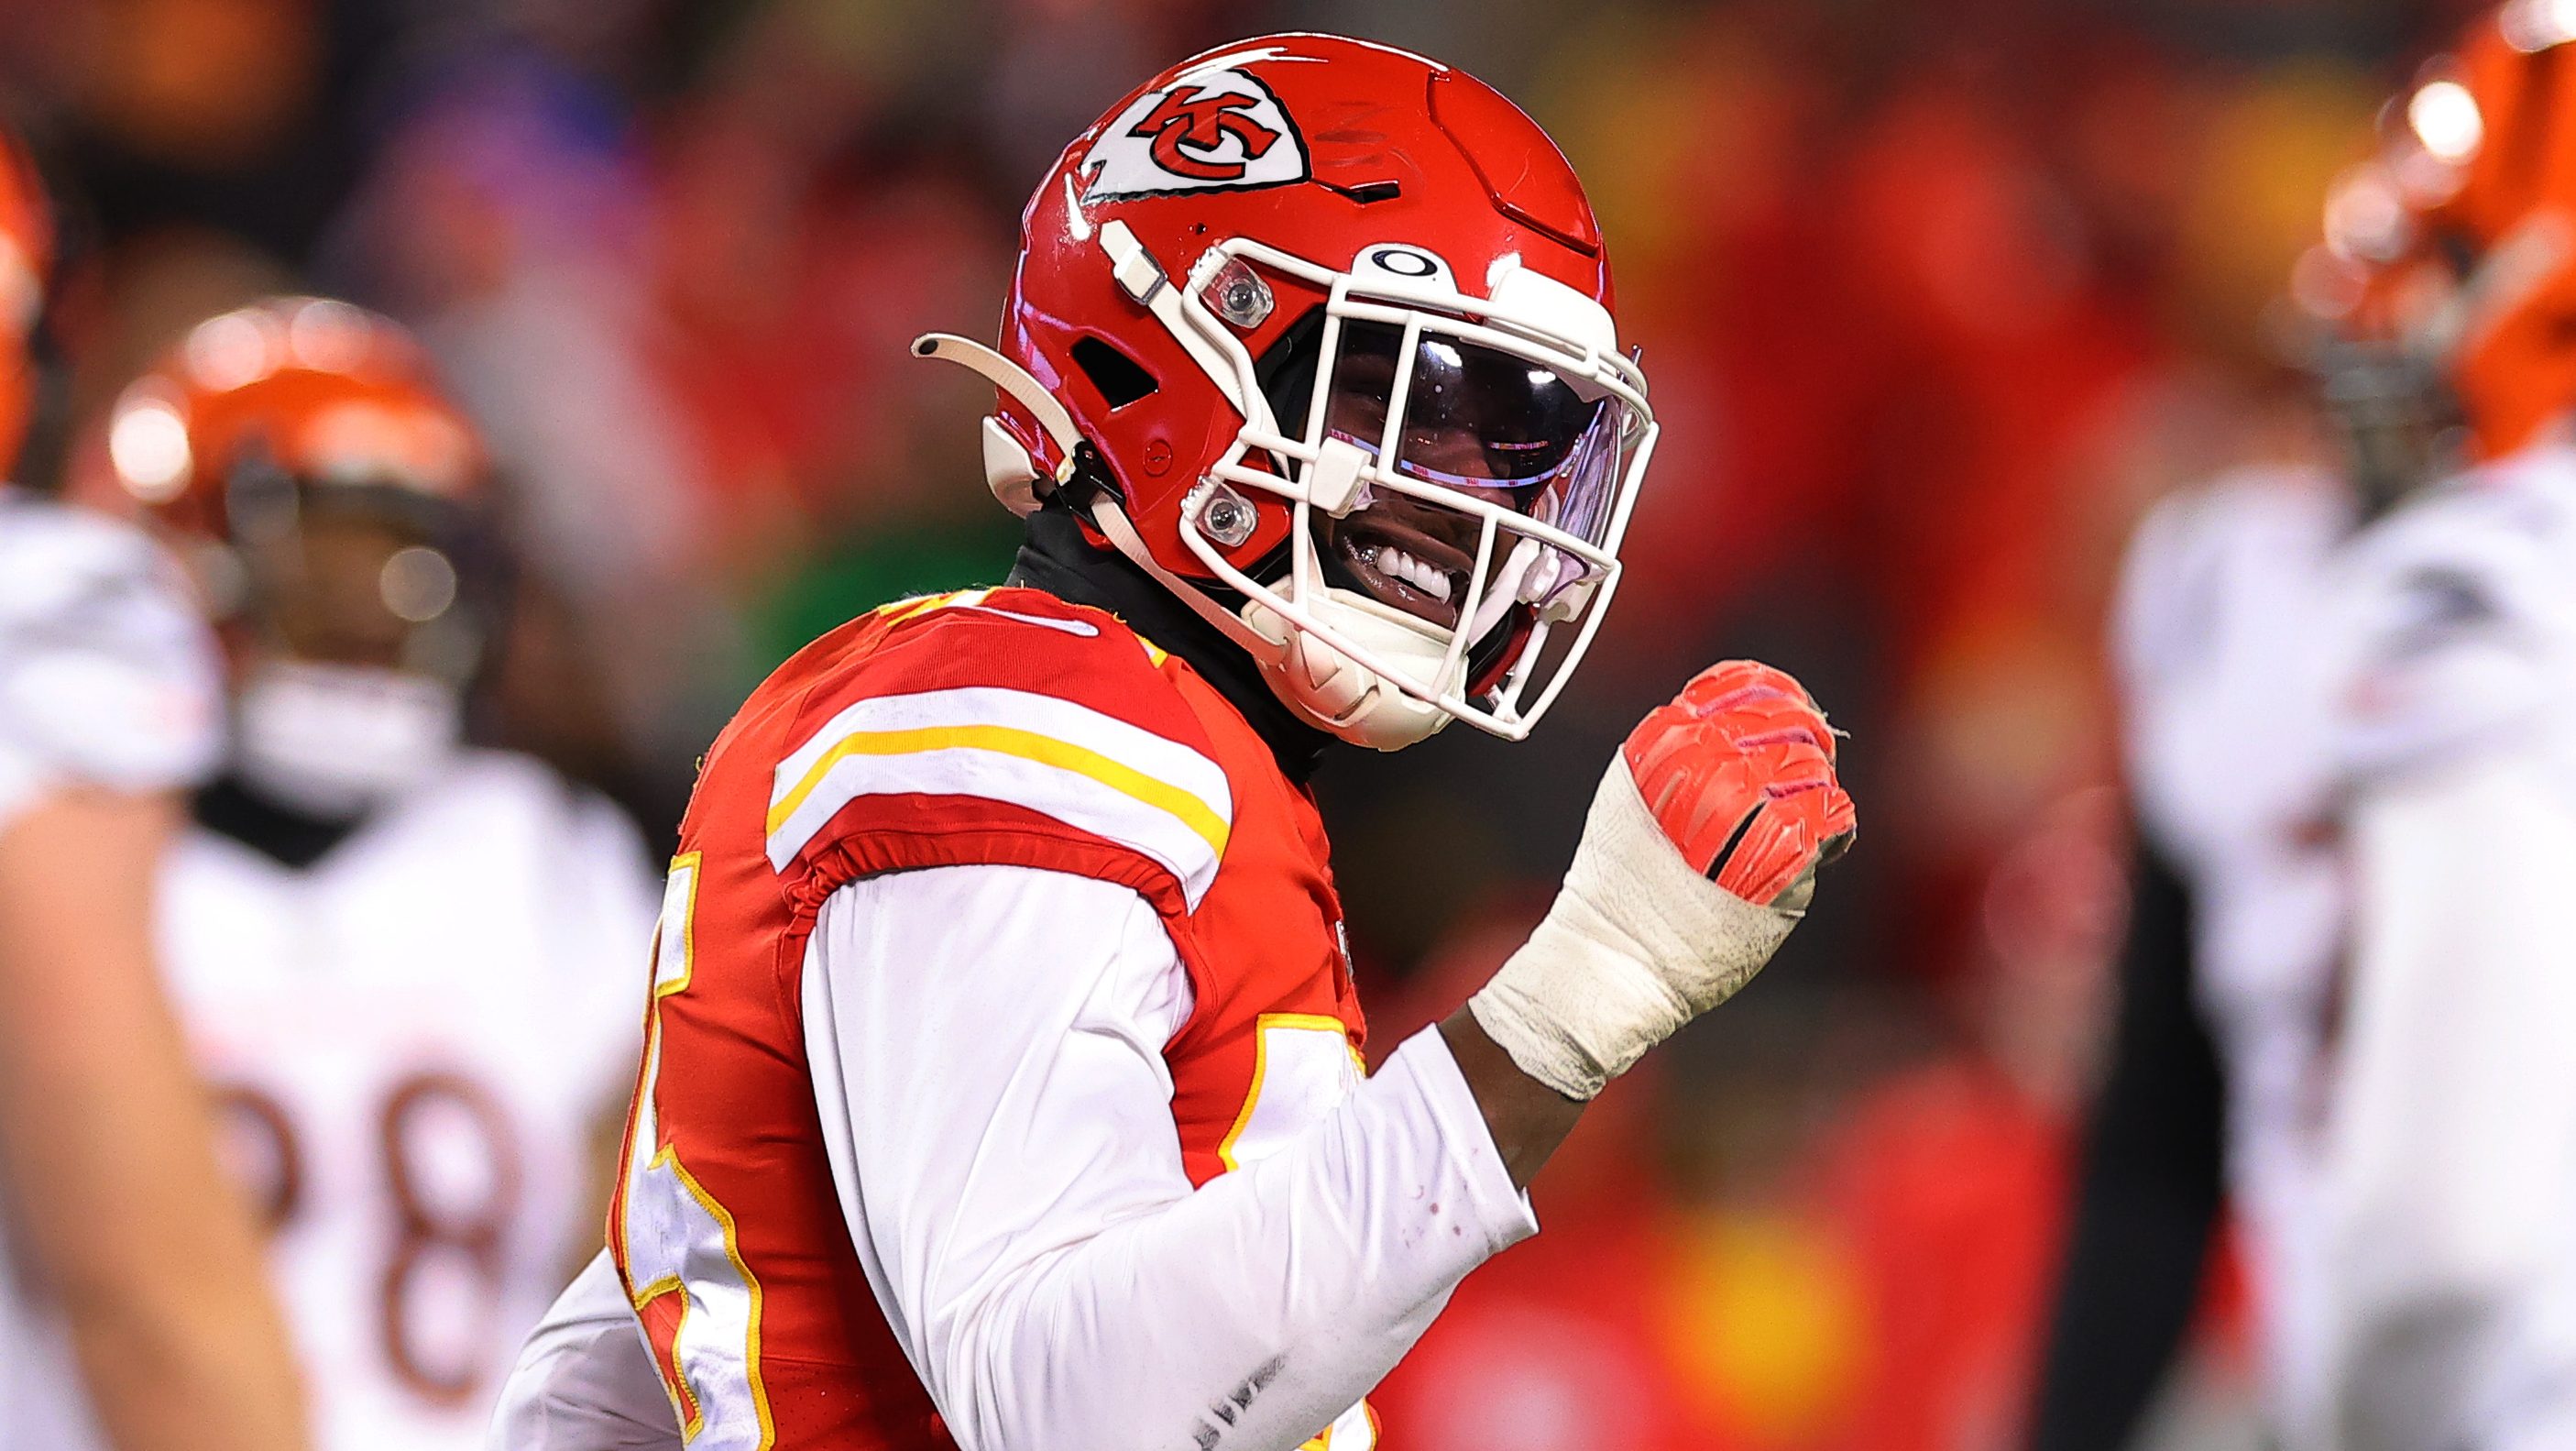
(1739, 772)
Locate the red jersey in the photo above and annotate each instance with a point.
(992, 727)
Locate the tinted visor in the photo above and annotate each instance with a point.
(1482, 421)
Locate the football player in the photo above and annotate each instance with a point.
(1001, 1087)
(132, 1307)
(411, 967)
(2348, 996)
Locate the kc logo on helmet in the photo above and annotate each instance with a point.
(1211, 130)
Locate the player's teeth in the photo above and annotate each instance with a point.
(1420, 574)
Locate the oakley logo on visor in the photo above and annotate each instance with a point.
(1216, 130)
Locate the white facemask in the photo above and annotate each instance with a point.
(339, 740)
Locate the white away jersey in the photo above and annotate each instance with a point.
(2274, 660)
(106, 674)
(422, 1045)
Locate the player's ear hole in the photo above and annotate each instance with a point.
(1121, 379)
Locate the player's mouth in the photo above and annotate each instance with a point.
(1407, 554)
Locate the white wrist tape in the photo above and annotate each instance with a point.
(1637, 945)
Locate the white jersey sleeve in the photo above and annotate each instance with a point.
(1018, 1199)
(585, 1381)
(1021, 1210)
(107, 677)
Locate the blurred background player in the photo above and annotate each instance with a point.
(411, 967)
(132, 1312)
(2350, 739)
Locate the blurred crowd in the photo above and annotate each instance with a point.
(1935, 299)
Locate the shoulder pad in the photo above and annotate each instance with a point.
(1008, 727)
(106, 674)
(2458, 618)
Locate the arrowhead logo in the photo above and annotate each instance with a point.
(1214, 130)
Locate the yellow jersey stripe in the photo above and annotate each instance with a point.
(1118, 776)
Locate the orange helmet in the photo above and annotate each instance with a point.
(323, 393)
(2451, 255)
(26, 261)
(268, 417)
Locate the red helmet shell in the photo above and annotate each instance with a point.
(1315, 145)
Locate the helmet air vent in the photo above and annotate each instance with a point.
(1367, 192)
(1121, 379)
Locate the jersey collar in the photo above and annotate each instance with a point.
(1057, 559)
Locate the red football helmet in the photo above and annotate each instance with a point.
(1318, 333)
(2449, 262)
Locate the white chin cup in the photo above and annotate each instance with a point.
(1338, 694)
(340, 740)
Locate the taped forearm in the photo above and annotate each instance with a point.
(1636, 945)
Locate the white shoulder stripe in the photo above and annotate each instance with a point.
(1047, 715)
(1090, 770)
(1083, 628)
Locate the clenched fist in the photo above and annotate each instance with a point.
(1739, 772)
(1698, 857)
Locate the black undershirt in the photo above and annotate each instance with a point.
(287, 836)
(2148, 1189)
(1060, 561)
